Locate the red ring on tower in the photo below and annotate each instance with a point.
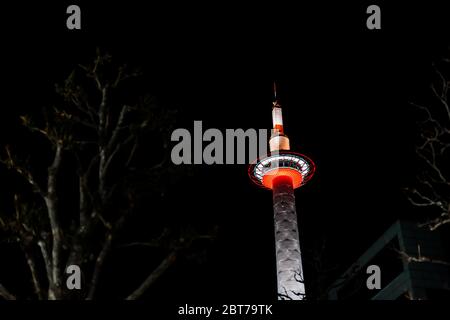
(294, 175)
(283, 163)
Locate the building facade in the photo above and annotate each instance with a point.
(400, 279)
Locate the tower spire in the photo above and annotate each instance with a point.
(274, 91)
(278, 140)
(275, 102)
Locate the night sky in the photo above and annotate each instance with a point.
(344, 90)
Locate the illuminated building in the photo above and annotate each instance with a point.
(282, 171)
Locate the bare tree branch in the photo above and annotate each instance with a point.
(112, 139)
(102, 128)
(98, 266)
(106, 248)
(34, 275)
(433, 224)
(26, 241)
(408, 258)
(47, 261)
(26, 174)
(433, 189)
(83, 201)
(119, 126)
(51, 200)
(6, 294)
(118, 148)
(152, 277)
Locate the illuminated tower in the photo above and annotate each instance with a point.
(282, 171)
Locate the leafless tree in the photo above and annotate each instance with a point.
(432, 189)
(94, 136)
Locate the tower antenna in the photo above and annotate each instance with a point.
(276, 103)
(274, 91)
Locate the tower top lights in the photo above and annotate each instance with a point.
(281, 161)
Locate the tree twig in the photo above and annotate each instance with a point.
(152, 277)
(47, 261)
(26, 174)
(98, 266)
(6, 294)
(421, 258)
(34, 275)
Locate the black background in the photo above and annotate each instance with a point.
(345, 92)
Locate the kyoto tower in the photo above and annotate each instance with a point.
(282, 171)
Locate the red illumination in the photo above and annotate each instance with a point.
(279, 127)
(281, 180)
(289, 173)
(299, 168)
